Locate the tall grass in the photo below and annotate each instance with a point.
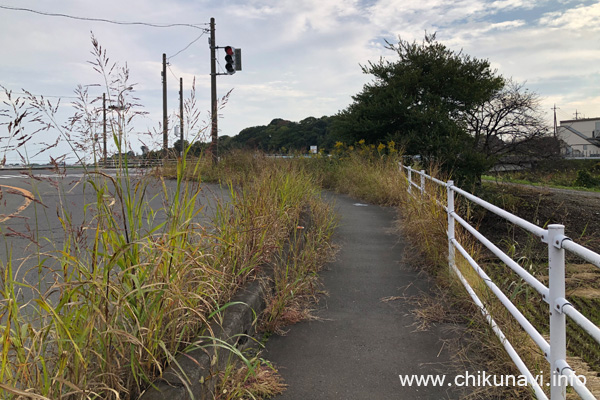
(366, 172)
(129, 300)
(285, 227)
(132, 285)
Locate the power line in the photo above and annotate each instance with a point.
(153, 25)
(195, 26)
(171, 71)
(188, 46)
(221, 69)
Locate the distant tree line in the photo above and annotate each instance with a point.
(282, 136)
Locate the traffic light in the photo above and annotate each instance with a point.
(233, 60)
(230, 60)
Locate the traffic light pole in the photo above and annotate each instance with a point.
(165, 112)
(181, 115)
(213, 93)
(104, 129)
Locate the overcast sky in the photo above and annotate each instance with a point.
(301, 58)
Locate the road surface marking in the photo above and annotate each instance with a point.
(28, 199)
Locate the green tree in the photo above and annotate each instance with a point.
(281, 134)
(420, 101)
(177, 146)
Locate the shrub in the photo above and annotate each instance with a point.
(585, 179)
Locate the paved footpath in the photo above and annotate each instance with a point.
(361, 345)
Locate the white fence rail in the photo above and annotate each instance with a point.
(135, 163)
(554, 294)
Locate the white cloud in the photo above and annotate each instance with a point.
(274, 90)
(511, 4)
(410, 19)
(581, 18)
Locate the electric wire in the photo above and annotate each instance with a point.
(171, 71)
(187, 47)
(221, 69)
(153, 25)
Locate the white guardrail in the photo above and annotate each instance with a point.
(135, 163)
(554, 294)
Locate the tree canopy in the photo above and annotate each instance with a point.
(282, 135)
(420, 100)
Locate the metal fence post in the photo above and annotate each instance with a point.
(558, 340)
(450, 224)
(422, 182)
(409, 180)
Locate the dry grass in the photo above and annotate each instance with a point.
(112, 332)
(121, 314)
(127, 292)
(264, 382)
(297, 284)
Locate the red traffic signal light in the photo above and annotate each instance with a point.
(233, 59)
(230, 60)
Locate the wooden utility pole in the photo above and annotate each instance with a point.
(213, 93)
(555, 125)
(104, 128)
(181, 114)
(165, 115)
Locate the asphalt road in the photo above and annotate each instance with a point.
(360, 345)
(34, 209)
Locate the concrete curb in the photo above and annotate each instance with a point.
(194, 375)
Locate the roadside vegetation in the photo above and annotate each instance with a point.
(132, 293)
(133, 281)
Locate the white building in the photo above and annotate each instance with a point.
(580, 137)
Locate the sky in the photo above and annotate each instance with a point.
(300, 58)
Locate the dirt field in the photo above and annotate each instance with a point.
(578, 211)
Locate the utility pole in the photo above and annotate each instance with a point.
(233, 58)
(555, 125)
(213, 92)
(165, 116)
(181, 114)
(104, 128)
